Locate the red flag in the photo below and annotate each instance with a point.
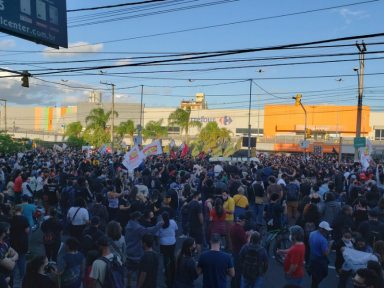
(202, 155)
(185, 150)
(173, 155)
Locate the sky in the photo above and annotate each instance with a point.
(224, 88)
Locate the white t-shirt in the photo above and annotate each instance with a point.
(81, 217)
(281, 181)
(141, 188)
(167, 236)
(99, 269)
(218, 169)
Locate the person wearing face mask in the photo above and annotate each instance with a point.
(7, 264)
(341, 266)
(366, 278)
(36, 276)
(320, 249)
(293, 262)
(185, 275)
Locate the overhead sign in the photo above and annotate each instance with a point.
(304, 144)
(41, 21)
(359, 142)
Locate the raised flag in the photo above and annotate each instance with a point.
(173, 155)
(103, 149)
(64, 146)
(166, 149)
(229, 150)
(133, 158)
(185, 150)
(209, 145)
(153, 149)
(202, 155)
(238, 144)
(366, 155)
(217, 152)
(195, 151)
(172, 144)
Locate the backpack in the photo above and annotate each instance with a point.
(292, 193)
(49, 237)
(64, 196)
(374, 233)
(309, 227)
(251, 268)
(114, 273)
(269, 215)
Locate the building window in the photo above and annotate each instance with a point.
(379, 134)
(173, 130)
(253, 131)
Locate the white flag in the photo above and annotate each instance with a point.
(103, 149)
(365, 156)
(172, 144)
(152, 149)
(133, 158)
(124, 145)
(64, 146)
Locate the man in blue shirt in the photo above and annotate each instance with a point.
(215, 265)
(320, 249)
(28, 211)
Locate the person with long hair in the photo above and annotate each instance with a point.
(113, 203)
(35, 276)
(78, 217)
(312, 215)
(52, 229)
(117, 240)
(217, 218)
(71, 266)
(167, 239)
(185, 275)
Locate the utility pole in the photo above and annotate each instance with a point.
(338, 99)
(258, 110)
(113, 113)
(141, 110)
(249, 122)
(5, 115)
(362, 49)
(298, 102)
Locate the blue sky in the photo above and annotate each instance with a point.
(335, 23)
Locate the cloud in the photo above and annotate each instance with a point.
(75, 50)
(7, 43)
(120, 98)
(123, 61)
(350, 15)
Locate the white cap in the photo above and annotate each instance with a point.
(325, 225)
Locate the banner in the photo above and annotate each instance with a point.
(57, 147)
(365, 156)
(195, 151)
(217, 152)
(64, 146)
(228, 152)
(185, 149)
(172, 144)
(357, 259)
(209, 145)
(238, 144)
(152, 149)
(103, 149)
(133, 158)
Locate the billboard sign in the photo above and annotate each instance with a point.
(41, 21)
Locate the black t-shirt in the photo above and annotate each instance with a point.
(50, 191)
(170, 211)
(277, 210)
(54, 226)
(360, 216)
(18, 236)
(174, 198)
(194, 209)
(149, 263)
(38, 280)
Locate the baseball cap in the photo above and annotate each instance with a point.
(325, 225)
(95, 220)
(103, 241)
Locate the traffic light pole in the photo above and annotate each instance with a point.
(305, 127)
(113, 113)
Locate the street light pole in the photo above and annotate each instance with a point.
(360, 98)
(338, 99)
(5, 115)
(258, 110)
(249, 122)
(113, 113)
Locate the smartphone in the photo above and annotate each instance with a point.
(53, 15)
(41, 10)
(25, 6)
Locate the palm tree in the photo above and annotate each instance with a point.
(212, 132)
(97, 118)
(154, 129)
(181, 118)
(126, 128)
(74, 129)
(225, 134)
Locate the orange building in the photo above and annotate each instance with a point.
(322, 120)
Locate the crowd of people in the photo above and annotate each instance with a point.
(109, 227)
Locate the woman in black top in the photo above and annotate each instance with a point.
(52, 229)
(35, 277)
(185, 275)
(311, 215)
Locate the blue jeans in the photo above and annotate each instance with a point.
(257, 210)
(21, 265)
(296, 281)
(245, 283)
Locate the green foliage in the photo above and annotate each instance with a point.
(96, 132)
(74, 141)
(74, 129)
(181, 118)
(154, 129)
(7, 145)
(126, 128)
(212, 132)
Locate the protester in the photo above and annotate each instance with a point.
(167, 239)
(78, 218)
(148, 265)
(36, 276)
(52, 230)
(185, 272)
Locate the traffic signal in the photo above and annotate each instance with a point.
(308, 133)
(25, 79)
(298, 100)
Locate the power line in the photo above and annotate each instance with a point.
(114, 6)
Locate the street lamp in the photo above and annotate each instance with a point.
(338, 99)
(258, 110)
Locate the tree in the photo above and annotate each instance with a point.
(181, 118)
(74, 129)
(212, 132)
(96, 132)
(126, 128)
(8, 145)
(154, 129)
(74, 141)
